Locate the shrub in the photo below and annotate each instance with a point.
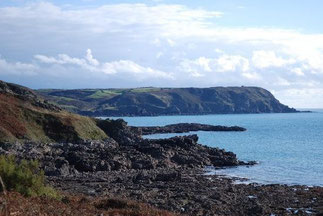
(24, 177)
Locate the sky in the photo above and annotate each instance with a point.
(277, 45)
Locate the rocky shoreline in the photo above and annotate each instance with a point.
(186, 127)
(124, 150)
(165, 173)
(190, 192)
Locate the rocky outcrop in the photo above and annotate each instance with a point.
(67, 159)
(191, 192)
(167, 101)
(125, 149)
(26, 95)
(185, 127)
(120, 131)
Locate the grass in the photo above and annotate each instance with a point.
(104, 94)
(25, 193)
(85, 127)
(20, 120)
(110, 108)
(67, 107)
(144, 90)
(65, 98)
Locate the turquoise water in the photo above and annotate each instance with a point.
(288, 147)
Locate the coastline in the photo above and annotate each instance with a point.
(180, 186)
(190, 192)
(165, 173)
(273, 140)
(238, 179)
(193, 114)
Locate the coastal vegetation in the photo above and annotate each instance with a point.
(24, 192)
(24, 177)
(76, 205)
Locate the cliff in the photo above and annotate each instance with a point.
(25, 116)
(166, 101)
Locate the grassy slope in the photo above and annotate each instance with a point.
(21, 119)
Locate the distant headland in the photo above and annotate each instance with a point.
(166, 101)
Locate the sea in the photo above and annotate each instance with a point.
(287, 146)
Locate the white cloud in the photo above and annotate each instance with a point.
(130, 67)
(156, 42)
(193, 67)
(91, 64)
(171, 42)
(217, 50)
(282, 82)
(90, 59)
(232, 63)
(159, 54)
(106, 18)
(301, 97)
(251, 75)
(225, 63)
(298, 71)
(61, 59)
(17, 68)
(264, 59)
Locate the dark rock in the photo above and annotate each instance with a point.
(166, 177)
(124, 150)
(119, 131)
(186, 127)
(187, 191)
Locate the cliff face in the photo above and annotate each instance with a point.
(25, 116)
(167, 101)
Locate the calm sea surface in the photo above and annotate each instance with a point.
(288, 147)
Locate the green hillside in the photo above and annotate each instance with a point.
(166, 101)
(25, 116)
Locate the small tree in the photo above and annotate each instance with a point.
(24, 177)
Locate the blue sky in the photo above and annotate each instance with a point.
(274, 44)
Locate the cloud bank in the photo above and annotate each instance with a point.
(155, 45)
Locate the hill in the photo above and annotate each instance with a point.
(166, 101)
(25, 116)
